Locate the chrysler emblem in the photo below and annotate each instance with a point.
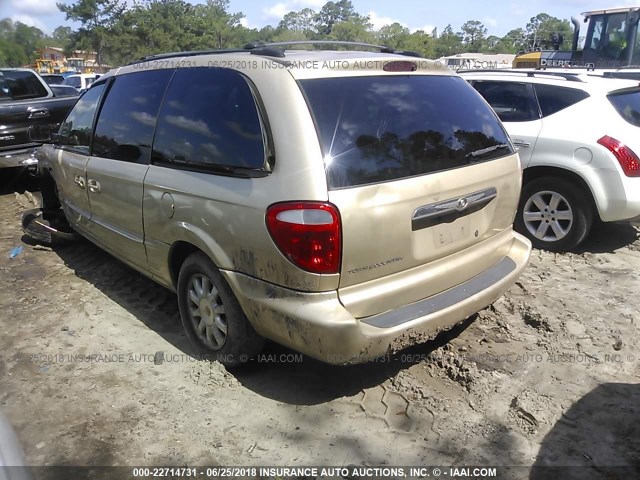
(461, 204)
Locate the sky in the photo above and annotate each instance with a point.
(498, 16)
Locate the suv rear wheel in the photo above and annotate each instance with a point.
(211, 315)
(554, 214)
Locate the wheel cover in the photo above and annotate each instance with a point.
(548, 216)
(206, 312)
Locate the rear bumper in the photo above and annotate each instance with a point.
(618, 197)
(24, 157)
(318, 325)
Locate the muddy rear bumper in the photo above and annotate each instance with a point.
(318, 325)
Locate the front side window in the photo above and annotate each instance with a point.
(376, 129)
(75, 131)
(512, 101)
(209, 118)
(597, 25)
(124, 130)
(607, 35)
(552, 99)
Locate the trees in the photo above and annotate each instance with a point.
(156, 26)
(448, 43)
(335, 12)
(122, 30)
(215, 26)
(19, 43)
(357, 29)
(61, 37)
(473, 35)
(96, 17)
(394, 35)
(541, 29)
(303, 21)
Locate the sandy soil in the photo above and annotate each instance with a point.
(95, 370)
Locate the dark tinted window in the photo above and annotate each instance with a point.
(513, 102)
(20, 85)
(209, 117)
(374, 129)
(77, 126)
(73, 81)
(128, 117)
(53, 79)
(627, 104)
(552, 99)
(64, 90)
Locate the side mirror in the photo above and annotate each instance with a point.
(39, 133)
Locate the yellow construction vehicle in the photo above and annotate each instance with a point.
(611, 46)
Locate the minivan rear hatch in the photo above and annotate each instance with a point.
(420, 169)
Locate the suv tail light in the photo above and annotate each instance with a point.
(628, 160)
(308, 234)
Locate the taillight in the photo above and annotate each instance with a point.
(628, 160)
(307, 233)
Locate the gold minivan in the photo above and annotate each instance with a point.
(343, 203)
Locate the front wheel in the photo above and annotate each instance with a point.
(554, 214)
(211, 315)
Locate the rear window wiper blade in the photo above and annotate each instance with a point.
(484, 151)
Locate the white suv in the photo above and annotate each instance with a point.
(578, 137)
(81, 81)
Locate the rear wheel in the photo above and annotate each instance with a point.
(554, 214)
(211, 315)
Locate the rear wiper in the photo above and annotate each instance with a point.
(483, 151)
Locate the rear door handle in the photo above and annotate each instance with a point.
(38, 113)
(79, 181)
(521, 143)
(94, 186)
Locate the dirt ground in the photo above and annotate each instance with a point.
(95, 370)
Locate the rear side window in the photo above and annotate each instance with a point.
(128, 116)
(513, 102)
(20, 85)
(552, 99)
(376, 129)
(209, 118)
(627, 103)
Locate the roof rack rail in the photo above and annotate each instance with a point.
(272, 49)
(569, 76)
(192, 53)
(381, 48)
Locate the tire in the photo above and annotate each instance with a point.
(211, 316)
(48, 227)
(544, 227)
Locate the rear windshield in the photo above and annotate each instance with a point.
(377, 129)
(20, 85)
(627, 104)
